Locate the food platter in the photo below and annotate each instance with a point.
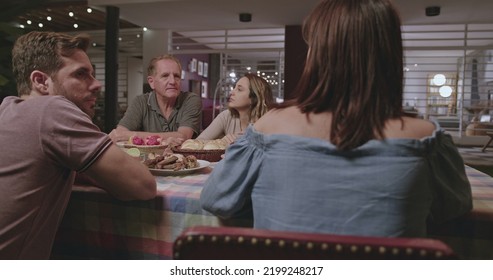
(143, 148)
(167, 172)
(208, 155)
(128, 146)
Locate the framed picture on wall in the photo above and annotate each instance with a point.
(203, 89)
(193, 65)
(200, 69)
(206, 69)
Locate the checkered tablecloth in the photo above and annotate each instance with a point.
(97, 226)
(482, 190)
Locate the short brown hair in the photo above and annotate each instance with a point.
(42, 51)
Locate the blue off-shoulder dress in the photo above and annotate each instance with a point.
(382, 188)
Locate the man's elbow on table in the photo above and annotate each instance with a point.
(123, 176)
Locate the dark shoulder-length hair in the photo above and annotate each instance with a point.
(353, 69)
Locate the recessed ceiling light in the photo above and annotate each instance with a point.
(76, 25)
(48, 18)
(432, 11)
(89, 10)
(245, 17)
(71, 14)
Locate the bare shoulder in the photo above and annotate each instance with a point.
(424, 126)
(275, 119)
(409, 128)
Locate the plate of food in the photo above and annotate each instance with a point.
(170, 172)
(174, 164)
(150, 144)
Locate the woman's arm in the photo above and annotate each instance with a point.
(452, 192)
(217, 128)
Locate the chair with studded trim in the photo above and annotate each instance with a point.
(198, 243)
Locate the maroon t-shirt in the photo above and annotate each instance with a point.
(43, 141)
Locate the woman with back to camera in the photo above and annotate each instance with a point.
(250, 99)
(342, 157)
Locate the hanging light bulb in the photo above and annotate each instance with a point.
(445, 91)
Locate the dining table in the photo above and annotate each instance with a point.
(98, 226)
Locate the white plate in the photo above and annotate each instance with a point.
(166, 172)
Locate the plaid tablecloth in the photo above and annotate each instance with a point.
(482, 190)
(97, 226)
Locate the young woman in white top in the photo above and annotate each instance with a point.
(250, 99)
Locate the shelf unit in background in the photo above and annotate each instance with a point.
(436, 103)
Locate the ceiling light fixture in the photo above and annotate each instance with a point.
(432, 11)
(439, 79)
(245, 17)
(445, 91)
